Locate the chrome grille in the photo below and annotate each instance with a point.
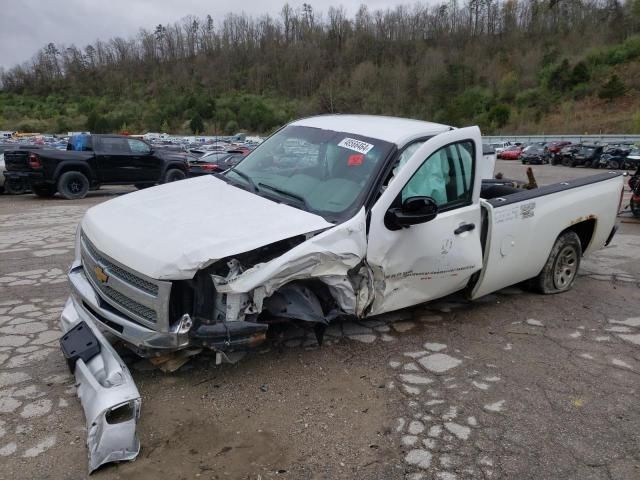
(138, 299)
(120, 272)
(131, 305)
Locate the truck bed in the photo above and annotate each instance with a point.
(520, 228)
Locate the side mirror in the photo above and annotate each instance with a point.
(414, 210)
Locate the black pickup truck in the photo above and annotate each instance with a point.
(91, 161)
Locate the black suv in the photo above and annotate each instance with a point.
(91, 161)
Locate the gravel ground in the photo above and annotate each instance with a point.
(513, 386)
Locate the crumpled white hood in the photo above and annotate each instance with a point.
(173, 230)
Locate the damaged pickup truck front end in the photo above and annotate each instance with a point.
(174, 295)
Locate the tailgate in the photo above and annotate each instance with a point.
(16, 160)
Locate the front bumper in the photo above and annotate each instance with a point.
(90, 305)
(109, 397)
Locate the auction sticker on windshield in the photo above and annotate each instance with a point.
(356, 145)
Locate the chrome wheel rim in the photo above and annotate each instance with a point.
(566, 267)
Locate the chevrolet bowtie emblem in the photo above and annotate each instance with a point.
(100, 275)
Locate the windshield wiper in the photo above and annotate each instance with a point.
(286, 193)
(245, 177)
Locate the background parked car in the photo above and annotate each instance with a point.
(535, 154)
(1, 172)
(511, 153)
(613, 156)
(499, 147)
(555, 147)
(587, 156)
(213, 162)
(632, 160)
(565, 154)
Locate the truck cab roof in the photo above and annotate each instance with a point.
(390, 129)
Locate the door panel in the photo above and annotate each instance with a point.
(114, 160)
(430, 260)
(148, 166)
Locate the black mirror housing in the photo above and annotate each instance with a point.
(414, 211)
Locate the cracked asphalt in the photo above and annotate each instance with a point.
(513, 386)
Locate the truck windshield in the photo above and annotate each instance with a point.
(321, 171)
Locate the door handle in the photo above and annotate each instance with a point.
(466, 227)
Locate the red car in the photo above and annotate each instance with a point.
(511, 153)
(555, 147)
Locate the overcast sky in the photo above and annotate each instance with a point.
(28, 25)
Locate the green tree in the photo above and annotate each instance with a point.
(580, 74)
(231, 127)
(613, 88)
(196, 124)
(499, 115)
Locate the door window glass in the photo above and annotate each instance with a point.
(114, 145)
(138, 147)
(445, 176)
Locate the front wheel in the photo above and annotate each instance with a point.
(44, 191)
(566, 161)
(73, 185)
(614, 164)
(173, 175)
(561, 269)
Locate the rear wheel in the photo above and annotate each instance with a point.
(566, 161)
(15, 186)
(173, 175)
(44, 191)
(614, 164)
(561, 269)
(635, 207)
(73, 185)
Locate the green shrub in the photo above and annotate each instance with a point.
(613, 88)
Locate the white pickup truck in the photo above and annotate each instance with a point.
(332, 216)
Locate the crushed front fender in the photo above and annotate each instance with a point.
(109, 397)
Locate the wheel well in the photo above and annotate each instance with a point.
(74, 168)
(176, 166)
(584, 230)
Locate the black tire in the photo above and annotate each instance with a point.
(573, 164)
(523, 162)
(614, 164)
(173, 175)
(566, 161)
(635, 208)
(561, 269)
(73, 185)
(44, 191)
(15, 186)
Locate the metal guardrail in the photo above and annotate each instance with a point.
(566, 137)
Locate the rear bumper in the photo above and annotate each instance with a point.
(31, 178)
(109, 397)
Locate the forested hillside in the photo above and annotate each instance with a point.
(527, 66)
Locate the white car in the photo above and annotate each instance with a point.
(500, 147)
(382, 214)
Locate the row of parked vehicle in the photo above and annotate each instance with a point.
(609, 156)
(90, 161)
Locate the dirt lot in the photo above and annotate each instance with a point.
(514, 386)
